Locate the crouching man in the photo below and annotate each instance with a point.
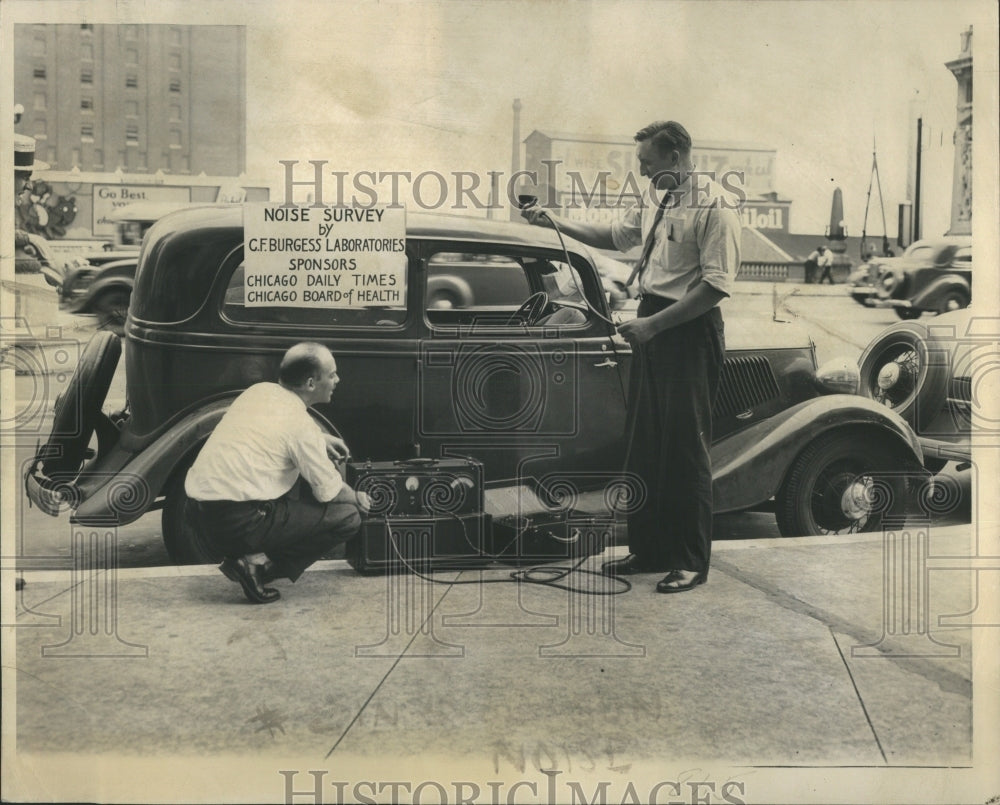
(265, 491)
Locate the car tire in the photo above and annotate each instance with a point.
(921, 387)
(184, 543)
(908, 313)
(111, 308)
(843, 482)
(77, 410)
(953, 300)
(443, 300)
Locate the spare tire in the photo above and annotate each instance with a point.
(907, 370)
(78, 409)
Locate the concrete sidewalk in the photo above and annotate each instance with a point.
(798, 652)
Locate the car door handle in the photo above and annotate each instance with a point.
(606, 362)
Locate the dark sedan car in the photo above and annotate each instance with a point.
(533, 388)
(926, 373)
(931, 276)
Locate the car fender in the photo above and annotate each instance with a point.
(142, 479)
(124, 496)
(750, 466)
(925, 299)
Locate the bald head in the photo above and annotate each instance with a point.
(309, 369)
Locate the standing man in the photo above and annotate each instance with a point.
(691, 253)
(264, 488)
(825, 261)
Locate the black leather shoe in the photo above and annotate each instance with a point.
(248, 576)
(628, 566)
(674, 583)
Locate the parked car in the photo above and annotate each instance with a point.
(932, 276)
(33, 256)
(924, 372)
(102, 284)
(534, 388)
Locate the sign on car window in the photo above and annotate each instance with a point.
(324, 257)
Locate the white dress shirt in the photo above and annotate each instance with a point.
(265, 441)
(697, 239)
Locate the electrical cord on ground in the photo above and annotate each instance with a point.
(543, 575)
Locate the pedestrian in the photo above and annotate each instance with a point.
(825, 262)
(265, 490)
(25, 253)
(811, 264)
(690, 257)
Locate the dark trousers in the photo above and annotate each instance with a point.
(826, 275)
(672, 386)
(294, 530)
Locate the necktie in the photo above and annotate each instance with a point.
(647, 249)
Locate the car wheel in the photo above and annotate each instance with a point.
(443, 300)
(901, 370)
(953, 300)
(77, 410)
(908, 313)
(840, 484)
(112, 309)
(184, 543)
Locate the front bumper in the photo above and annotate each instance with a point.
(884, 303)
(51, 499)
(862, 294)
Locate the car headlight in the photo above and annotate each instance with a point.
(839, 376)
(891, 282)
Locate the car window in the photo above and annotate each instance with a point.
(468, 281)
(487, 288)
(235, 307)
(963, 255)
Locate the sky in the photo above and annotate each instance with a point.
(387, 86)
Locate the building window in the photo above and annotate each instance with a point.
(175, 61)
(175, 113)
(75, 157)
(86, 51)
(98, 158)
(87, 132)
(175, 138)
(131, 134)
(39, 72)
(175, 85)
(40, 100)
(87, 76)
(87, 104)
(131, 32)
(41, 129)
(87, 28)
(38, 47)
(131, 108)
(131, 82)
(175, 36)
(131, 56)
